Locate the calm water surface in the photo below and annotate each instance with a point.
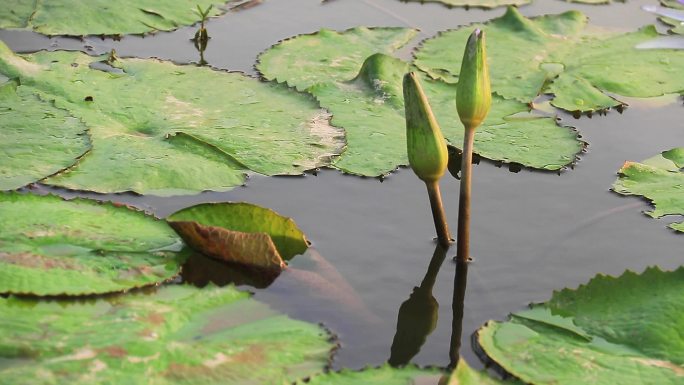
(532, 233)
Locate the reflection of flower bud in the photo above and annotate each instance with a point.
(474, 95)
(427, 150)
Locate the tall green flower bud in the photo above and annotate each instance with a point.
(474, 94)
(427, 149)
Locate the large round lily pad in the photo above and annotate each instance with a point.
(558, 54)
(159, 128)
(172, 335)
(659, 179)
(362, 89)
(623, 330)
(49, 246)
(102, 17)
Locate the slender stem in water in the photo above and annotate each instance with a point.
(463, 236)
(441, 225)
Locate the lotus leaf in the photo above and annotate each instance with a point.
(487, 4)
(384, 375)
(676, 20)
(50, 246)
(408, 375)
(659, 179)
(465, 375)
(102, 17)
(159, 128)
(558, 54)
(240, 233)
(173, 335)
(366, 100)
(31, 152)
(623, 330)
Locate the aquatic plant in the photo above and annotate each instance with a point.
(427, 150)
(201, 36)
(473, 100)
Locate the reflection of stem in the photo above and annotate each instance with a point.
(463, 236)
(417, 316)
(441, 225)
(457, 307)
(435, 263)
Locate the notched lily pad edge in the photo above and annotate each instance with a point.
(86, 296)
(649, 202)
(223, 10)
(491, 363)
(327, 370)
(576, 114)
(513, 166)
(261, 76)
(329, 160)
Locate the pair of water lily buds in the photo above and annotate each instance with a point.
(427, 150)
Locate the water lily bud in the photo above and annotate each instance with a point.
(427, 150)
(474, 95)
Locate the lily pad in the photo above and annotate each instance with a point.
(240, 233)
(32, 152)
(383, 375)
(465, 375)
(621, 330)
(173, 335)
(163, 129)
(672, 15)
(365, 99)
(659, 179)
(101, 17)
(558, 54)
(486, 4)
(408, 375)
(328, 56)
(50, 246)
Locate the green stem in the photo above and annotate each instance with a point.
(438, 215)
(463, 235)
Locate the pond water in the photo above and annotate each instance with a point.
(533, 232)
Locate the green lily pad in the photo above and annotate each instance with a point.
(486, 4)
(163, 129)
(621, 330)
(101, 17)
(659, 179)
(240, 233)
(677, 25)
(383, 375)
(173, 335)
(368, 104)
(465, 375)
(408, 375)
(32, 152)
(558, 54)
(50, 246)
(328, 56)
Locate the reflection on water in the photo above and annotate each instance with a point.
(417, 315)
(457, 305)
(200, 270)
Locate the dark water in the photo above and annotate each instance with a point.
(532, 232)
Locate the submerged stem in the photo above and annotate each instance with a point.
(463, 236)
(438, 215)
